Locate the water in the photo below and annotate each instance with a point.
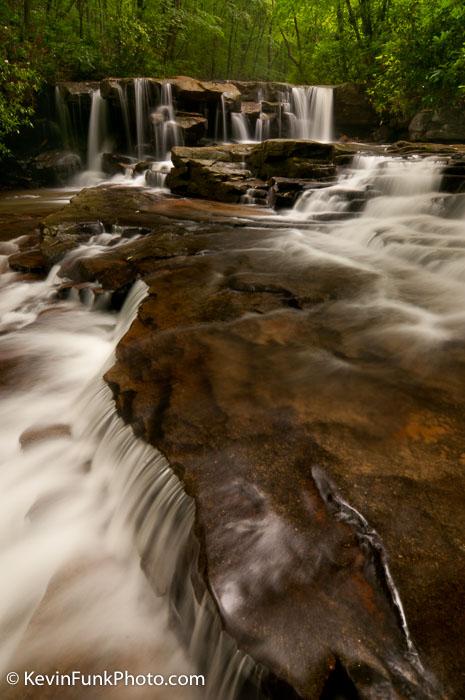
(311, 113)
(64, 120)
(141, 103)
(97, 134)
(123, 101)
(82, 501)
(240, 128)
(166, 131)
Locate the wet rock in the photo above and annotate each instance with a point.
(54, 167)
(58, 239)
(285, 191)
(115, 163)
(189, 91)
(255, 91)
(78, 92)
(193, 127)
(32, 436)
(291, 158)
(441, 125)
(353, 111)
(31, 260)
(257, 372)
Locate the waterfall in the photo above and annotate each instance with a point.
(141, 100)
(312, 113)
(224, 118)
(240, 127)
(84, 501)
(262, 127)
(379, 186)
(97, 131)
(166, 131)
(64, 120)
(123, 102)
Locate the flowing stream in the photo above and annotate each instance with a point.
(82, 501)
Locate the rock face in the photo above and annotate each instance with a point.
(440, 125)
(226, 173)
(353, 112)
(315, 455)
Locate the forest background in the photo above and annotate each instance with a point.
(409, 54)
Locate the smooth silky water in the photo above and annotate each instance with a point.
(82, 508)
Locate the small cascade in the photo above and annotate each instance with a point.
(224, 123)
(240, 128)
(311, 113)
(166, 131)
(377, 186)
(84, 502)
(97, 132)
(123, 102)
(262, 127)
(64, 120)
(141, 102)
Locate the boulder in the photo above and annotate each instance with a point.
(115, 163)
(193, 127)
(445, 125)
(353, 112)
(255, 91)
(191, 91)
(31, 260)
(291, 158)
(54, 167)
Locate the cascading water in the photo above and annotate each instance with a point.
(141, 103)
(97, 133)
(64, 120)
(407, 234)
(82, 500)
(262, 127)
(166, 131)
(240, 128)
(311, 113)
(123, 102)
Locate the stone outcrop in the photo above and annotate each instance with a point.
(226, 173)
(353, 112)
(441, 125)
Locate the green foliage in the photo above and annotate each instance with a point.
(18, 83)
(410, 53)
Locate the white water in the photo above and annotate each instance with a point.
(123, 101)
(311, 113)
(97, 135)
(79, 510)
(141, 108)
(166, 131)
(240, 128)
(409, 240)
